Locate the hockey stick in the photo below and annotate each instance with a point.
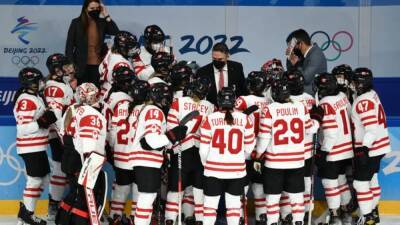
(183, 121)
(315, 145)
(87, 178)
(250, 109)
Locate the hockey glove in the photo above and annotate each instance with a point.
(176, 134)
(46, 119)
(361, 155)
(317, 113)
(320, 157)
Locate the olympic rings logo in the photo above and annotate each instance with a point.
(332, 42)
(25, 60)
(14, 163)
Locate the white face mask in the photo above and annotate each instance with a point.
(41, 85)
(157, 47)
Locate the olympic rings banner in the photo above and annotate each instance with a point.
(30, 33)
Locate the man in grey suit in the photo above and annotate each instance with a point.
(306, 57)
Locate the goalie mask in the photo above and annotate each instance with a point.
(88, 94)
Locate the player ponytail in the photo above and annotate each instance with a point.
(228, 117)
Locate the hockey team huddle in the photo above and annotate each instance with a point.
(175, 154)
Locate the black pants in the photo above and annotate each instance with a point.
(90, 75)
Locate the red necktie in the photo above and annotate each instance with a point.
(221, 79)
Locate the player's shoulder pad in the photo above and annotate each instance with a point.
(364, 105)
(328, 108)
(26, 102)
(54, 90)
(240, 103)
(154, 113)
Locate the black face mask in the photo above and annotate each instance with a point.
(297, 52)
(218, 64)
(94, 14)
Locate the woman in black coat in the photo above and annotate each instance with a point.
(85, 41)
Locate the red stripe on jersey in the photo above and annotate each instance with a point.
(148, 153)
(33, 144)
(265, 126)
(264, 131)
(329, 127)
(328, 121)
(148, 159)
(284, 159)
(151, 132)
(153, 126)
(224, 170)
(33, 189)
(144, 210)
(224, 164)
(32, 138)
(370, 123)
(341, 151)
(379, 146)
(172, 121)
(284, 154)
(367, 118)
(342, 145)
(232, 215)
(87, 136)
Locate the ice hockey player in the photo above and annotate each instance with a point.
(84, 136)
(283, 127)
(227, 136)
(256, 83)
(33, 120)
(343, 74)
(117, 106)
(58, 96)
(336, 149)
(149, 143)
(181, 75)
(162, 62)
(125, 48)
(70, 72)
(192, 168)
(272, 69)
(371, 144)
(154, 39)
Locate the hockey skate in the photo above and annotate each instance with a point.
(366, 220)
(26, 217)
(263, 220)
(287, 220)
(375, 214)
(334, 218)
(52, 211)
(346, 216)
(115, 220)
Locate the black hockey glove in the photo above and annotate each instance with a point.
(176, 134)
(320, 157)
(46, 119)
(361, 155)
(317, 113)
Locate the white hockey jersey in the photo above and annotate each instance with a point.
(122, 133)
(151, 125)
(142, 64)
(30, 138)
(182, 106)
(335, 135)
(308, 101)
(90, 130)
(283, 127)
(110, 63)
(58, 96)
(370, 127)
(243, 102)
(223, 147)
(115, 99)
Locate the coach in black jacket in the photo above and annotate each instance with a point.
(85, 40)
(223, 73)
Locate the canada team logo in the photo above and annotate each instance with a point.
(333, 46)
(23, 28)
